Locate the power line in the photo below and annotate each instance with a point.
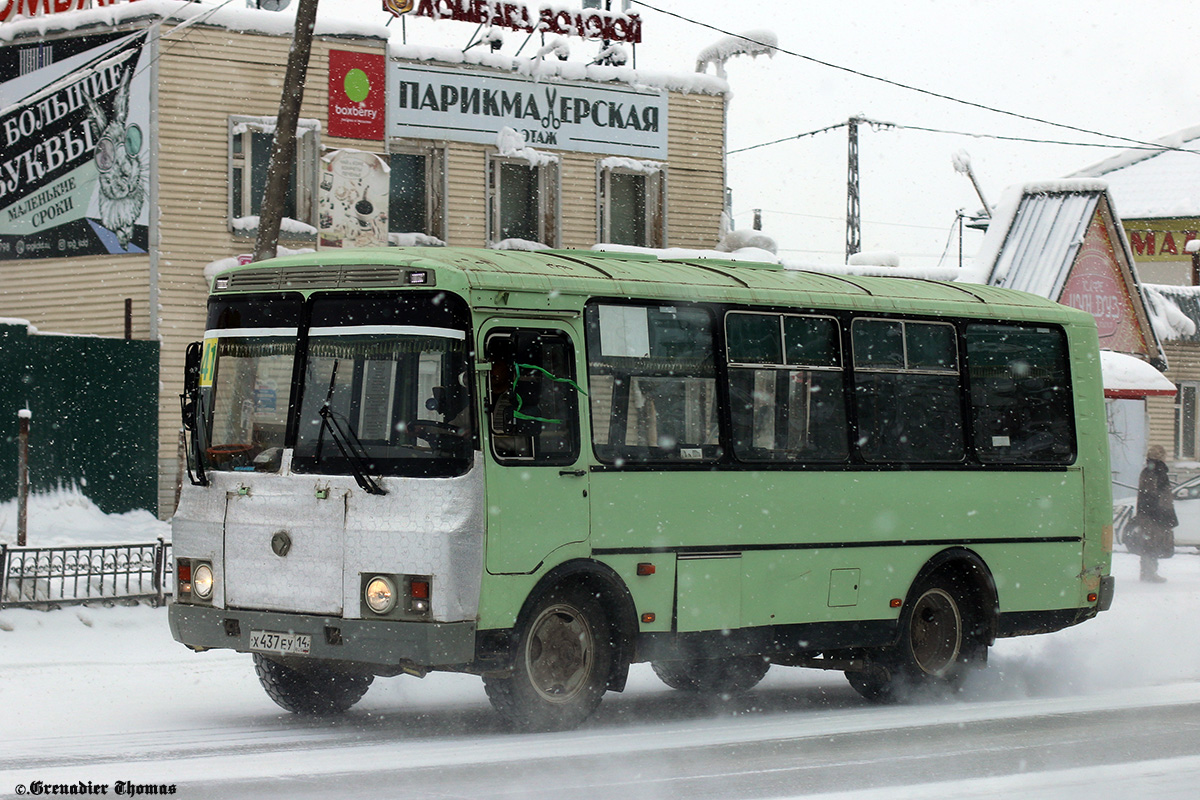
(843, 219)
(897, 126)
(909, 87)
(787, 138)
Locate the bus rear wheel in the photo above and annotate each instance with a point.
(728, 675)
(561, 666)
(941, 640)
(318, 690)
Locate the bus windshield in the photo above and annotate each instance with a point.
(385, 387)
(382, 386)
(396, 392)
(249, 355)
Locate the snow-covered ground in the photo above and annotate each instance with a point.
(104, 694)
(67, 517)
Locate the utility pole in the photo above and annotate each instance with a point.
(23, 417)
(853, 223)
(283, 149)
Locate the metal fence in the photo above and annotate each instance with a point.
(56, 576)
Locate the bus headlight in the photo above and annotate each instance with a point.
(202, 582)
(380, 594)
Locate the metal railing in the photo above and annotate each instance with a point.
(56, 576)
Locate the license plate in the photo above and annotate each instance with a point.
(283, 643)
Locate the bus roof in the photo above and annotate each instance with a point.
(623, 274)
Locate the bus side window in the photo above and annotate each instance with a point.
(652, 383)
(533, 414)
(1020, 394)
(786, 399)
(906, 391)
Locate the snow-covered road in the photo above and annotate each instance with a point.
(1110, 708)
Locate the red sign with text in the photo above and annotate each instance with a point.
(1096, 286)
(357, 93)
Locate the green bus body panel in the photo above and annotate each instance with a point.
(794, 529)
(738, 548)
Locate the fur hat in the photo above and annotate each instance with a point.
(1157, 453)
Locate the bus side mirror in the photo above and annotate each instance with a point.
(191, 383)
(189, 403)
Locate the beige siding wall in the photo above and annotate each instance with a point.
(696, 175)
(1184, 361)
(466, 194)
(578, 224)
(79, 295)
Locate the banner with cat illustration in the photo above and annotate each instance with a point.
(74, 150)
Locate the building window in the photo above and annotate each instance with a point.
(416, 195)
(1185, 421)
(630, 195)
(250, 140)
(523, 201)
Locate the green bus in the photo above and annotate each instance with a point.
(542, 467)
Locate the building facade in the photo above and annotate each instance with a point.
(1154, 190)
(137, 139)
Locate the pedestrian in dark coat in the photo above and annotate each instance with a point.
(1155, 515)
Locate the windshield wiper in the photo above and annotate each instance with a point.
(347, 441)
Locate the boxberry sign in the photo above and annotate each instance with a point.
(587, 23)
(356, 94)
(446, 103)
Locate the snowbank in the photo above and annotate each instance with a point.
(67, 517)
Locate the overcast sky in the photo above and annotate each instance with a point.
(1130, 70)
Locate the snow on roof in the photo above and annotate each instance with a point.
(1035, 233)
(1174, 311)
(1154, 183)
(552, 68)
(750, 43)
(332, 21)
(1126, 376)
(233, 16)
(741, 250)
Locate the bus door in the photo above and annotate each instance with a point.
(537, 479)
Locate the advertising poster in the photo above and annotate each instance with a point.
(357, 87)
(353, 199)
(75, 158)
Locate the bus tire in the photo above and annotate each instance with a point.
(316, 691)
(561, 665)
(942, 638)
(729, 675)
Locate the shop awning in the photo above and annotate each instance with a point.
(1130, 378)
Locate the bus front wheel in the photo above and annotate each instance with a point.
(561, 666)
(941, 640)
(316, 691)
